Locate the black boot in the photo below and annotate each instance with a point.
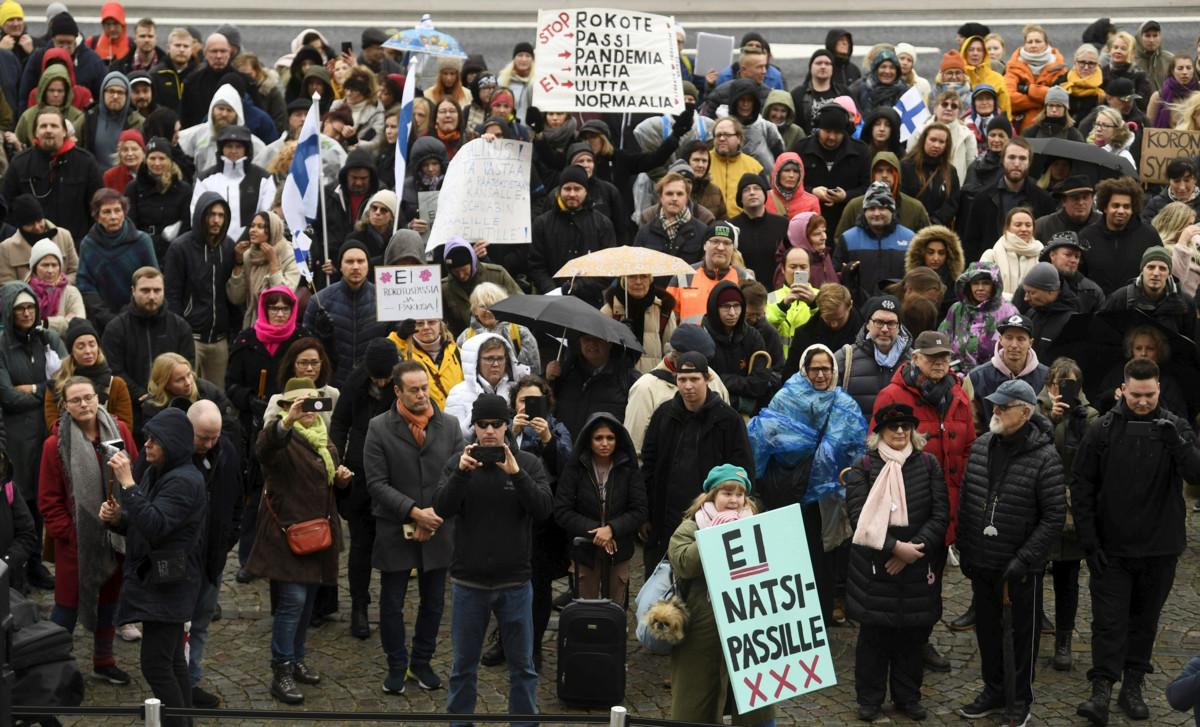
(1095, 709)
(494, 655)
(38, 576)
(283, 686)
(965, 622)
(1044, 624)
(1130, 697)
(1062, 652)
(933, 660)
(360, 627)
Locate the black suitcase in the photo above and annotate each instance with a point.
(591, 646)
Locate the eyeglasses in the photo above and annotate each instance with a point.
(379, 209)
(1087, 64)
(716, 242)
(494, 360)
(1104, 125)
(85, 399)
(491, 423)
(949, 105)
(279, 309)
(313, 363)
(730, 307)
(723, 135)
(819, 370)
(885, 324)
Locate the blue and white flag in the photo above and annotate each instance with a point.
(302, 188)
(913, 112)
(404, 129)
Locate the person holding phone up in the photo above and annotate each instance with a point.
(1127, 498)
(791, 306)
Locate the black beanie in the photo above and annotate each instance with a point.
(82, 327)
(23, 210)
(352, 243)
(573, 173)
(747, 179)
(489, 406)
(381, 358)
(522, 47)
(63, 24)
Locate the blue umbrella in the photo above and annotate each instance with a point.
(428, 41)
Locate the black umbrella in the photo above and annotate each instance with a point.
(1082, 152)
(556, 314)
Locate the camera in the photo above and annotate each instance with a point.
(110, 447)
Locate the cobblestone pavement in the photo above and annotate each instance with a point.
(237, 665)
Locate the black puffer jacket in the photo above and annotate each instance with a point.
(578, 506)
(135, 338)
(152, 210)
(734, 352)
(867, 376)
(1114, 258)
(1030, 504)
(910, 598)
(582, 392)
(353, 313)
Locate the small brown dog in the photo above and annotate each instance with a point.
(666, 620)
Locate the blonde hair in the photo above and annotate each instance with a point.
(1032, 28)
(918, 440)
(1129, 42)
(833, 295)
(486, 295)
(1185, 113)
(711, 496)
(996, 37)
(160, 374)
(1120, 134)
(1171, 220)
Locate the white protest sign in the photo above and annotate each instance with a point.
(599, 59)
(408, 291)
(485, 195)
(713, 52)
(764, 597)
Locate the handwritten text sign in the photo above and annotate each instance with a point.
(598, 59)
(411, 291)
(764, 596)
(1160, 147)
(485, 195)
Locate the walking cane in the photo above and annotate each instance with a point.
(1010, 658)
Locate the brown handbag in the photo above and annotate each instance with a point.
(307, 536)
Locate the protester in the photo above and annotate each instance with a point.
(301, 466)
(1014, 358)
(1116, 242)
(483, 297)
(1003, 542)
(59, 302)
(349, 305)
(262, 260)
(73, 484)
(173, 382)
(1016, 251)
(85, 358)
(899, 520)
(495, 505)
(698, 691)
(1132, 543)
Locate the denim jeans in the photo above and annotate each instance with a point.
(470, 610)
(292, 614)
(206, 604)
(392, 591)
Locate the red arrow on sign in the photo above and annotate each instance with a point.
(568, 35)
(568, 84)
(565, 54)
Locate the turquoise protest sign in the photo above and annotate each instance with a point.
(764, 597)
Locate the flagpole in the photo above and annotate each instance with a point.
(321, 187)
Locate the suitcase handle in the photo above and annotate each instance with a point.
(580, 545)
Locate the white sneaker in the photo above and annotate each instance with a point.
(952, 556)
(129, 632)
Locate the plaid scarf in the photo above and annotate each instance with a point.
(671, 226)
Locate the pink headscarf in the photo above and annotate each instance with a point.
(820, 263)
(272, 337)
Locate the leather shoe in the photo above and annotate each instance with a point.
(933, 660)
(244, 576)
(869, 712)
(913, 710)
(38, 576)
(965, 622)
(360, 627)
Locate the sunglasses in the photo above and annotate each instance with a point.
(898, 427)
(491, 423)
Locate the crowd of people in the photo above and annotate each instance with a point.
(932, 346)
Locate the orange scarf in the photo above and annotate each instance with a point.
(417, 423)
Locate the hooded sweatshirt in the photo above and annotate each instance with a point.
(197, 273)
(200, 141)
(111, 51)
(984, 74)
(105, 126)
(56, 71)
(735, 348)
(462, 397)
(844, 70)
(972, 325)
(789, 203)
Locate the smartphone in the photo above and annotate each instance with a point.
(485, 454)
(535, 407)
(1139, 429)
(800, 277)
(321, 404)
(114, 443)
(1068, 389)
(347, 47)
(410, 531)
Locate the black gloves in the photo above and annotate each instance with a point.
(682, 123)
(1022, 86)
(1167, 433)
(1016, 570)
(258, 410)
(406, 327)
(534, 120)
(1096, 559)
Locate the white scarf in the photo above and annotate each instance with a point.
(886, 504)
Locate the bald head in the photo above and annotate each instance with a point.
(205, 417)
(217, 51)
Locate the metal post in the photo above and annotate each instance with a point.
(617, 716)
(316, 99)
(153, 712)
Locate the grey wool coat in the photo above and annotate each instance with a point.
(401, 475)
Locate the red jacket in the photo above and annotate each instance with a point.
(57, 506)
(949, 438)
